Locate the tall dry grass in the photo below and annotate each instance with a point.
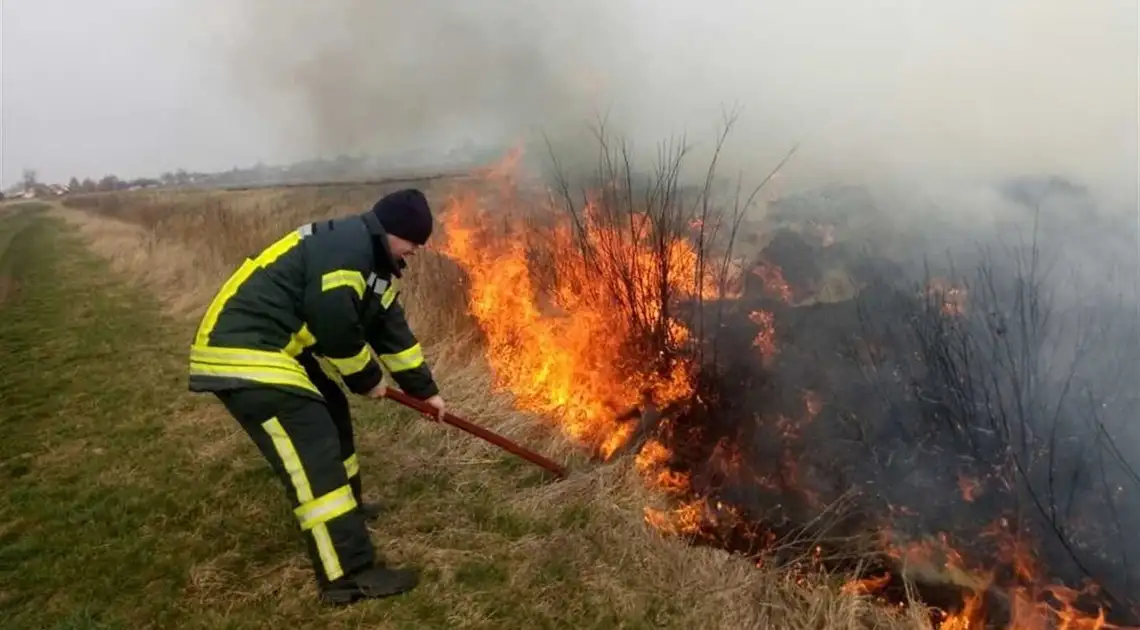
(182, 245)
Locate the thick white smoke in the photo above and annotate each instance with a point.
(872, 89)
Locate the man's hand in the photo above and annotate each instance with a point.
(437, 402)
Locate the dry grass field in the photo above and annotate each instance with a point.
(139, 505)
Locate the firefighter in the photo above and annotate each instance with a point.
(325, 292)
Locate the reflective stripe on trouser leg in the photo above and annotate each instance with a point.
(316, 509)
(314, 514)
(352, 469)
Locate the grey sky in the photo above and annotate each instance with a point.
(963, 88)
(117, 86)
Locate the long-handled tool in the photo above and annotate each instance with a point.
(476, 430)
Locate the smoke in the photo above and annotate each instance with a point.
(389, 77)
(876, 90)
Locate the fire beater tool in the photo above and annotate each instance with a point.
(476, 430)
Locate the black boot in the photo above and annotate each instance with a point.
(372, 511)
(372, 583)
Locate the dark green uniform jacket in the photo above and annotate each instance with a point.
(329, 288)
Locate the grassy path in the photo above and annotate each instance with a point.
(129, 503)
(103, 513)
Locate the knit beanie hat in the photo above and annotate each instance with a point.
(406, 214)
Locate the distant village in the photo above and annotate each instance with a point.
(344, 168)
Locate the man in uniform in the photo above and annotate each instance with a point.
(328, 289)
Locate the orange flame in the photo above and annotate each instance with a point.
(970, 617)
(867, 586)
(969, 488)
(766, 337)
(563, 348)
(563, 351)
(953, 298)
(774, 282)
(652, 463)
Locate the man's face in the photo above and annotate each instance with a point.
(401, 248)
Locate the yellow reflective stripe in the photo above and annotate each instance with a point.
(262, 366)
(351, 466)
(300, 481)
(409, 359)
(288, 454)
(327, 551)
(268, 375)
(266, 257)
(299, 341)
(325, 508)
(389, 294)
(247, 357)
(210, 319)
(343, 278)
(353, 364)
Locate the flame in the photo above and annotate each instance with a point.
(969, 488)
(867, 586)
(684, 520)
(1033, 605)
(968, 618)
(774, 282)
(652, 462)
(766, 337)
(505, 170)
(953, 298)
(567, 349)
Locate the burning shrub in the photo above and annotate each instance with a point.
(920, 419)
(579, 298)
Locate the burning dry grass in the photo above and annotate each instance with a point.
(181, 246)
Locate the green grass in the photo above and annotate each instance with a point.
(130, 503)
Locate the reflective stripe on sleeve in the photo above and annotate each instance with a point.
(353, 364)
(409, 359)
(343, 278)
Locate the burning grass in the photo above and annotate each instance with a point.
(795, 409)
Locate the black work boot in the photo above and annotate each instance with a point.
(371, 583)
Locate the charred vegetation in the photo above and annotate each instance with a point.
(954, 425)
